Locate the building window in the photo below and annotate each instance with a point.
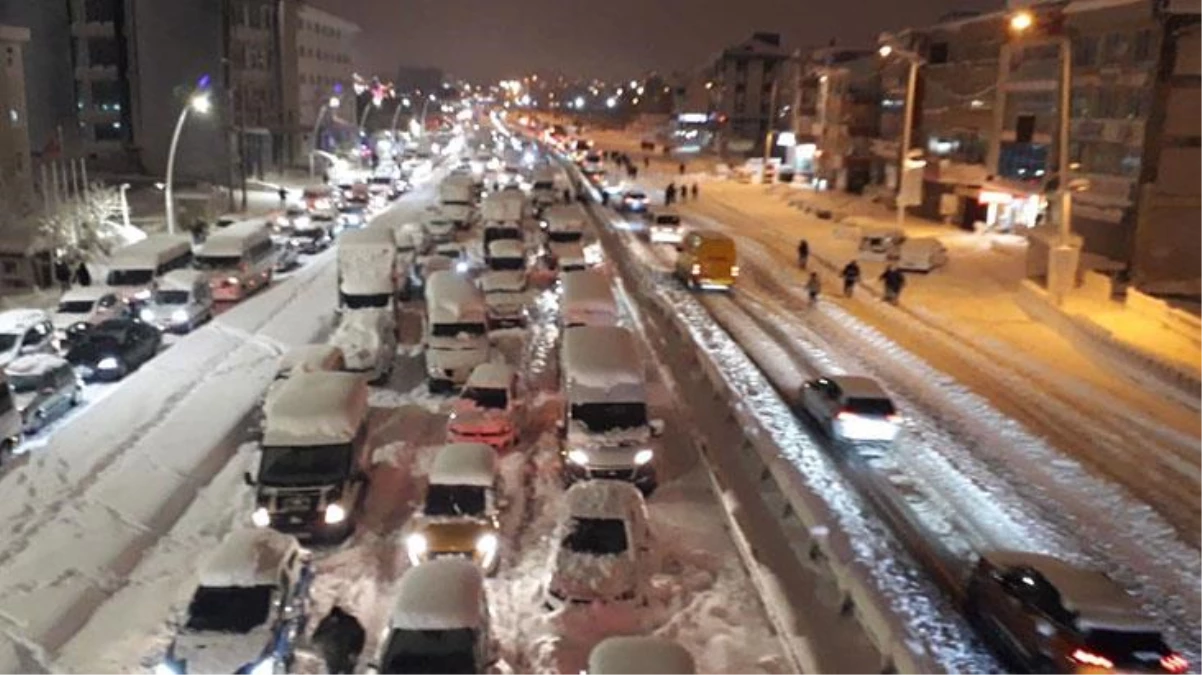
(938, 53)
(1115, 48)
(108, 131)
(103, 52)
(1085, 50)
(100, 11)
(1024, 129)
(1143, 46)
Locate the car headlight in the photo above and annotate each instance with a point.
(146, 315)
(578, 457)
(486, 546)
(335, 514)
(231, 281)
(416, 545)
(143, 294)
(643, 456)
(167, 668)
(260, 517)
(461, 267)
(264, 667)
(108, 363)
(179, 316)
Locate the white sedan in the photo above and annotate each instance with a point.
(851, 408)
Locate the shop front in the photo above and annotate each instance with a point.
(1000, 208)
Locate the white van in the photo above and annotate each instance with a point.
(456, 330)
(134, 269)
(311, 473)
(439, 623)
(605, 429)
(367, 269)
(239, 260)
(182, 302)
(587, 300)
(921, 254)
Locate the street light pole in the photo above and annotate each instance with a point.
(325, 107)
(426, 106)
(907, 126)
(403, 103)
(200, 103)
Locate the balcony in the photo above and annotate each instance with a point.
(93, 29)
(91, 73)
(1129, 132)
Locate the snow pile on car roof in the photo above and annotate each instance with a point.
(448, 294)
(34, 364)
(248, 557)
(602, 499)
(360, 336)
(366, 262)
(309, 359)
(315, 409)
(633, 654)
(506, 248)
(506, 281)
(443, 594)
(588, 290)
(601, 362)
(464, 464)
(180, 280)
(20, 320)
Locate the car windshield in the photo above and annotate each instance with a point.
(870, 406)
(544, 185)
(430, 651)
(129, 277)
(218, 262)
(308, 233)
(450, 330)
(511, 264)
(597, 536)
(171, 297)
(667, 220)
(27, 383)
(319, 464)
(454, 500)
(229, 609)
(75, 307)
(1122, 645)
(602, 417)
(365, 301)
(564, 236)
(487, 397)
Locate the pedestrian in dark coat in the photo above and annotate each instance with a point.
(894, 281)
(813, 287)
(283, 192)
(803, 253)
(851, 275)
(696, 191)
(567, 196)
(670, 194)
(682, 168)
(646, 162)
(82, 276)
(339, 638)
(62, 274)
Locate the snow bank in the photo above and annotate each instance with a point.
(315, 409)
(248, 557)
(443, 594)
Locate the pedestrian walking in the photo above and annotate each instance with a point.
(325, 177)
(894, 281)
(803, 253)
(682, 168)
(670, 194)
(283, 192)
(696, 191)
(684, 193)
(851, 275)
(340, 639)
(82, 276)
(813, 287)
(646, 162)
(62, 274)
(567, 196)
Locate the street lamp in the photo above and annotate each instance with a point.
(425, 106)
(199, 102)
(1062, 258)
(332, 103)
(403, 103)
(887, 50)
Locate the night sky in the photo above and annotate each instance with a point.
(610, 39)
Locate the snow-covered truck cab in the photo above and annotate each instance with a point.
(587, 300)
(439, 226)
(488, 409)
(605, 429)
(602, 541)
(367, 269)
(502, 231)
(459, 517)
(440, 622)
(239, 260)
(547, 187)
(564, 223)
(249, 609)
(456, 199)
(313, 456)
(506, 255)
(182, 301)
(134, 269)
(456, 330)
(368, 341)
(634, 654)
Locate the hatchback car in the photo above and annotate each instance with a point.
(45, 387)
(488, 408)
(460, 510)
(87, 304)
(851, 408)
(1050, 616)
(251, 606)
(603, 541)
(25, 331)
(114, 349)
(634, 201)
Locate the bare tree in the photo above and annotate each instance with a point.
(86, 227)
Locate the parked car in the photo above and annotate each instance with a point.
(602, 544)
(89, 305)
(287, 255)
(249, 610)
(851, 408)
(1051, 616)
(633, 201)
(488, 408)
(44, 388)
(921, 254)
(114, 349)
(25, 331)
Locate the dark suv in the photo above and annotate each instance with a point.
(1050, 616)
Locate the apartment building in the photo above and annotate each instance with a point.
(15, 172)
(324, 49)
(835, 115)
(747, 80)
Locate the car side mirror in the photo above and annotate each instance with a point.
(657, 427)
(248, 478)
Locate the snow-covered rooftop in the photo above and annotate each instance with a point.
(602, 499)
(234, 240)
(151, 251)
(587, 289)
(565, 217)
(20, 320)
(464, 464)
(315, 409)
(181, 280)
(630, 655)
(442, 594)
(85, 294)
(501, 281)
(602, 362)
(310, 358)
(248, 557)
(34, 364)
(571, 251)
(367, 261)
(491, 376)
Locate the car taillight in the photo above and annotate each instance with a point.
(1090, 659)
(1173, 663)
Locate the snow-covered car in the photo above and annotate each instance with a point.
(456, 335)
(456, 253)
(352, 215)
(115, 348)
(665, 228)
(251, 606)
(567, 257)
(586, 300)
(439, 623)
(182, 301)
(459, 513)
(293, 217)
(633, 201)
(313, 238)
(851, 408)
(287, 255)
(633, 654)
(367, 338)
(603, 542)
(1051, 616)
(44, 388)
(488, 409)
(439, 227)
(89, 305)
(506, 295)
(25, 331)
(318, 358)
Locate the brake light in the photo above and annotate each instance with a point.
(1173, 663)
(1090, 659)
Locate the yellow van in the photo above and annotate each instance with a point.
(707, 260)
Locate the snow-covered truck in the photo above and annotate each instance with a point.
(456, 199)
(368, 273)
